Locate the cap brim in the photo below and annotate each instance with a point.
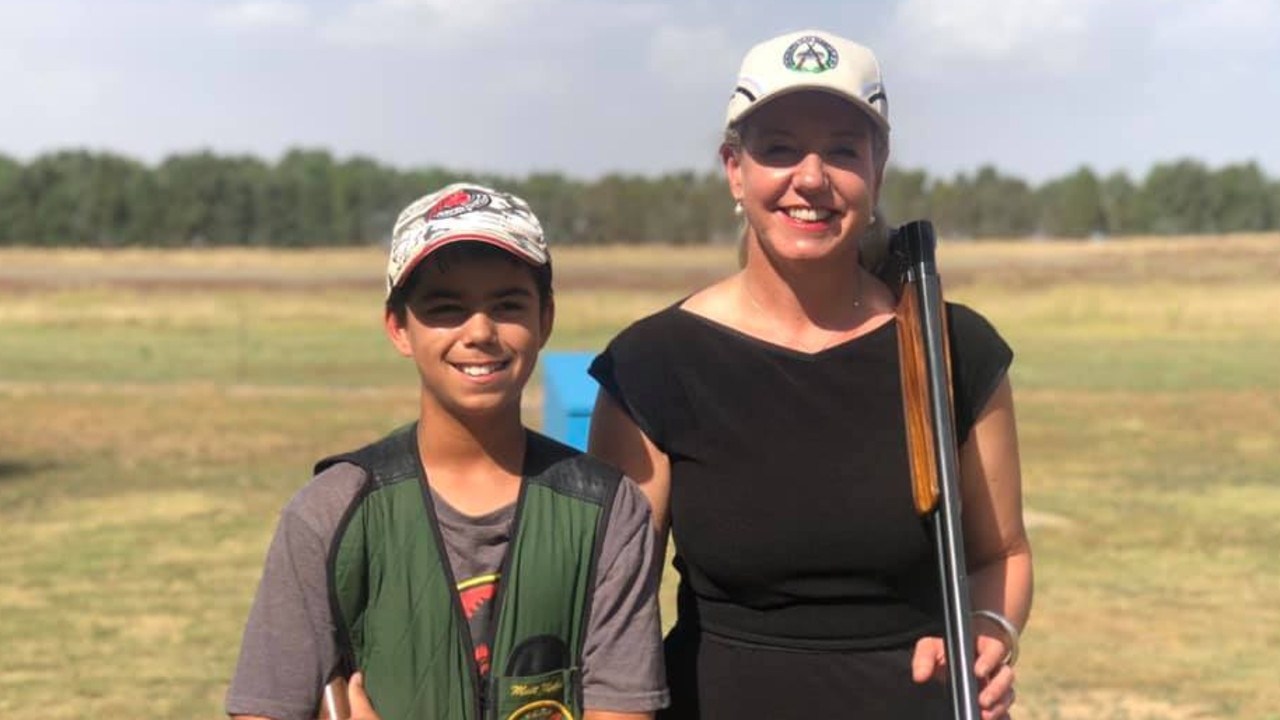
(866, 108)
(435, 246)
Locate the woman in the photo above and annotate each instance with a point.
(762, 417)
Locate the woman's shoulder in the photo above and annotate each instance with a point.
(714, 302)
(672, 323)
(968, 325)
(649, 330)
(980, 359)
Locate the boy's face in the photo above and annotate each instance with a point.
(474, 331)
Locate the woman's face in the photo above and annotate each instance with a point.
(806, 175)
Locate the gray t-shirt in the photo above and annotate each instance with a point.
(288, 645)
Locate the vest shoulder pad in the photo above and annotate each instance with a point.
(570, 471)
(390, 460)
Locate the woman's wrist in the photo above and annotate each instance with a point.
(1007, 630)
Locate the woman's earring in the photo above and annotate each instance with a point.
(737, 208)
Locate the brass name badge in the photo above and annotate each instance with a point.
(541, 710)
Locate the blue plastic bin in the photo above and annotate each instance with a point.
(569, 393)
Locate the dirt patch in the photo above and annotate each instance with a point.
(13, 469)
(660, 268)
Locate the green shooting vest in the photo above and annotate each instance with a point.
(397, 613)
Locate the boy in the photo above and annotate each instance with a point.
(465, 565)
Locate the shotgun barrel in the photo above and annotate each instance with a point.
(334, 705)
(935, 468)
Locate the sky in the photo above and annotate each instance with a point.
(1036, 88)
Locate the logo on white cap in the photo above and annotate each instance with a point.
(809, 60)
(810, 54)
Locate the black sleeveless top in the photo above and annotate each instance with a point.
(791, 503)
(805, 574)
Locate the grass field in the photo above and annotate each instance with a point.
(157, 409)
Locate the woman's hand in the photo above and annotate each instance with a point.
(994, 677)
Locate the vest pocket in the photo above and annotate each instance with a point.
(545, 696)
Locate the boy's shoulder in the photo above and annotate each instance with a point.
(389, 459)
(570, 471)
(320, 504)
(340, 479)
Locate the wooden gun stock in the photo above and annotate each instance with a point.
(924, 356)
(917, 411)
(334, 704)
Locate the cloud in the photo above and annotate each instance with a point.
(261, 14)
(539, 24)
(382, 23)
(692, 57)
(1221, 25)
(1046, 34)
(1063, 38)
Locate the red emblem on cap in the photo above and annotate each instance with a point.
(457, 203)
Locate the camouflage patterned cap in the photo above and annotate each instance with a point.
(458, 212)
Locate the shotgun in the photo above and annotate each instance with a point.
(334, 704)
(925, 360)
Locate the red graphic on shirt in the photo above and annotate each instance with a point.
(477, 603)
(482, 659)
(475, 596)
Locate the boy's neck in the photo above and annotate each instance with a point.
(476, 467)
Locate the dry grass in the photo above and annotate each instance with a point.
(151, 430)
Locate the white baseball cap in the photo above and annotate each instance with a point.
(463, 212)
(809, 60)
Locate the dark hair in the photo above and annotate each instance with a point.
(458, 252)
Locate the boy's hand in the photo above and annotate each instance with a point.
(361, 708)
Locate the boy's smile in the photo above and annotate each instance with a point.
(473, 328)
(482, 371)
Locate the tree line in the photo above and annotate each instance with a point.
(310, 198)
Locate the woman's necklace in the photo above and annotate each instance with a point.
(832, 335)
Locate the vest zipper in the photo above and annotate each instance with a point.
(479, 686)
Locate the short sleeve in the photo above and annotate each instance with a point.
(980, 358)
(633, 369)
(622, 654)
(288, 648)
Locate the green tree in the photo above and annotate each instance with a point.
(1242, 199)
(11, 202)
(1001, 206)
(76, 197)
(1179, 199)
(1073, 206)
(618, 209)
(366, 201)
(1123, 206)
(953, 208)
(904, 195)
(300, 199)
(557, 201)
(207, 199)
